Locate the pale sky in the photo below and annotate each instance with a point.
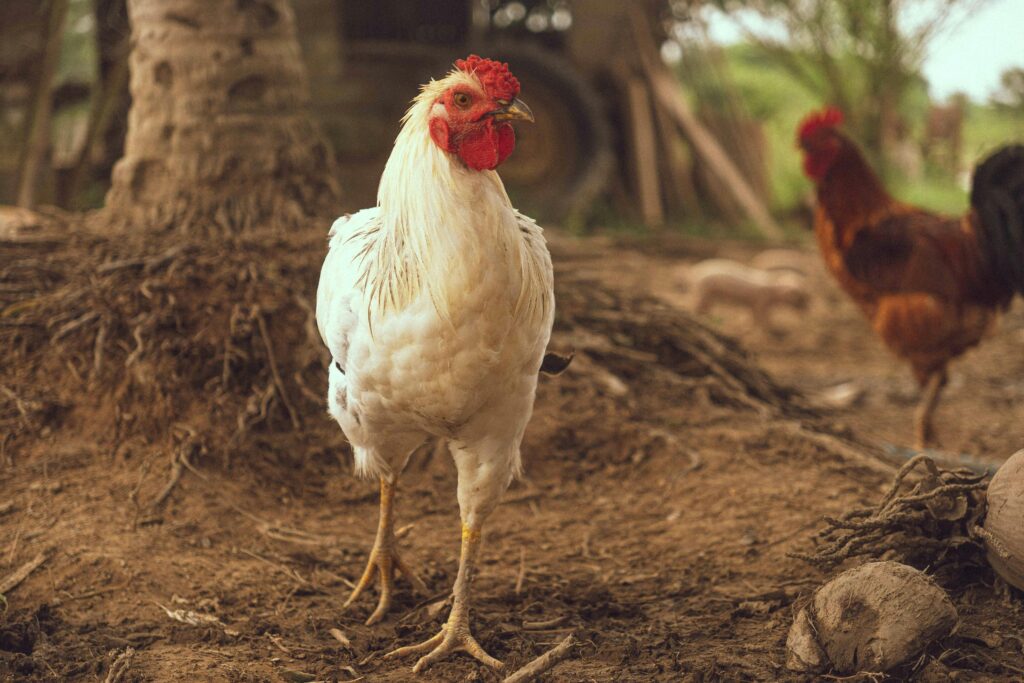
(968, 56)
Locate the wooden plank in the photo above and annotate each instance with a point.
(678, 189)
(666, 91)
(644, 149)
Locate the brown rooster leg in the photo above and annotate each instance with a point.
(925, 430)
(455, 635)
(384, 558)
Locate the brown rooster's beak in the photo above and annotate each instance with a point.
(516, 110)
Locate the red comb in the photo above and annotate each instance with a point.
(497, 80)
(829, 117)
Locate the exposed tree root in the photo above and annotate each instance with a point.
(929, 521)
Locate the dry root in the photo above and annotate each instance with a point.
(928, 522)
(152, 329)
(159, 330)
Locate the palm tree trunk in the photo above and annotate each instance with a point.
(219, 137)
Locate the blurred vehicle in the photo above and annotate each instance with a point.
(364, 58)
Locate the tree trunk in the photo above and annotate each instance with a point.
(37, 146)
(219, 137)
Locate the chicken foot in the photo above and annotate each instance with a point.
(923, 425)
(455, 635)
(384, 558)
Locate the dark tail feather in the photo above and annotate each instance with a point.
(997, 195)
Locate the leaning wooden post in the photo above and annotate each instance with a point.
(666, 91)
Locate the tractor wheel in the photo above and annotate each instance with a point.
(564, 160)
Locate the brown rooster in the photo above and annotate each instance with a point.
(932, 286)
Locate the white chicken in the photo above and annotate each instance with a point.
(437, 305)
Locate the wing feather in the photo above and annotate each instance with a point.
(341, 285)
(909, 252)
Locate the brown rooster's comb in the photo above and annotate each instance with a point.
(829, 117)
(497, 80)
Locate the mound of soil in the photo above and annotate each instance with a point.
(166, 447)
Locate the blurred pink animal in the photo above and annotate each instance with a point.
(781, 260)
(723, 281)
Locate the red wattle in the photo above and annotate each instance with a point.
(482, 147)
(506, 141)
(817, 165)
(479, 149)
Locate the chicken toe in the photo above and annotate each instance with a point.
(451, 639)
(385, 560)
(455, 635)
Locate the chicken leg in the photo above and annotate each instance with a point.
(455, 635)
(384, 558)
(924, 428)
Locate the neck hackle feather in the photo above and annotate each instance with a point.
(430, 202)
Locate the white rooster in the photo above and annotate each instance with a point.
(437, 305)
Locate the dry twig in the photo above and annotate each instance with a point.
(119, 667)
(272, 360)
(70, 327)
(543, 663)
(21, 574)
(101, 591)
(522, 571)
(544, 624)
(280, 567)
(187, 616)
(176, 468)
(340, 637)
(97, 354)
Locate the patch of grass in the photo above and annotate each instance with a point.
(987, 127)
(776, 99)
(937, 192)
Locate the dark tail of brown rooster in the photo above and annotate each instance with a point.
(997, 195)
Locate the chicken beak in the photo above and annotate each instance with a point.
(514, 111)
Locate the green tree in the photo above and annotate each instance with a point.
(863, 56)
(1011, 93)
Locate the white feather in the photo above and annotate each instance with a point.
(436, 306)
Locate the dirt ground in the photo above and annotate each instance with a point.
(981, 414)
(664, 488)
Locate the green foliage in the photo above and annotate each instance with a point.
(1011, 94)
(773, 96)
(78, 55)
(935, 192)
(988, 127)
(855, 54)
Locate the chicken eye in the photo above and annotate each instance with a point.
(461, 100)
